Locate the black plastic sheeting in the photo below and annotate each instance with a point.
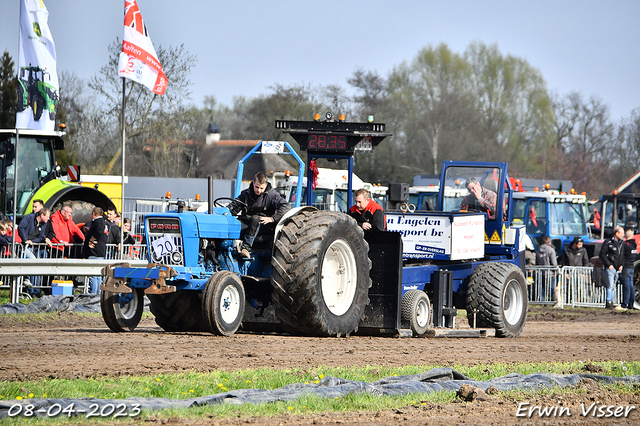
(59, 303)
(435, 380)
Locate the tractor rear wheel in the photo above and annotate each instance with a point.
(497, 293)
(223, 303)
(38, 106)
(321, 274)
(179, 311)
(416, 309)
(122, 311)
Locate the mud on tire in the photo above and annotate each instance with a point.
(321, 274)
(497, 292)
(179, 311)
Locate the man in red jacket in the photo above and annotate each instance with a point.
(368, 213)
(65, 229)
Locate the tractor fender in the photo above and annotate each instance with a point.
(58, 191)
(288, 216)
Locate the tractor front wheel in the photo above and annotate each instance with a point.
(497, 295)
(122, 311)
(179, 311)
(223, 303)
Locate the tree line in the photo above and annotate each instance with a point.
(441, 105)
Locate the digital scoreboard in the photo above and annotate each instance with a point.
(334, 137)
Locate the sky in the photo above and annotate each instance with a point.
(243, 47)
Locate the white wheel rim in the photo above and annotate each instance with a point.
(422, 313)
(339, 277)
(128, 311)
(229, 304)
(512, 302)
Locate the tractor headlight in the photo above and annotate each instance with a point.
(176, 257)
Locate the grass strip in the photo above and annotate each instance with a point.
(188, 385)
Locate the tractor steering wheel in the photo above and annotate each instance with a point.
(229, 201)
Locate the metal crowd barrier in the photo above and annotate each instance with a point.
(33, 267)
(568, 285)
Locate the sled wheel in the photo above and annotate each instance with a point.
(179, 311)
(321, 274)
(223, 303)
(497, 293)
(416, 309)
(122, 311)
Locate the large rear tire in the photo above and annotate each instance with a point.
(321, 274)
(416, 309)
(497, 293)
(179, 311)
(223, 303)
(122, 311)
(38, 106)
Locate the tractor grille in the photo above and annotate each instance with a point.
(165, 240)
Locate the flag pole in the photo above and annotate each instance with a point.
(122, 175)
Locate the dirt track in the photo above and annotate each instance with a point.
(73, 346)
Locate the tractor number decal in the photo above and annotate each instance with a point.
(163, 246)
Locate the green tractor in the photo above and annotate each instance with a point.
(34, 92)
(33, 174)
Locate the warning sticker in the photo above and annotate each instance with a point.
(486, 237)
(495, 238)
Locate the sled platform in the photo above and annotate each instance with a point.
(467, 333)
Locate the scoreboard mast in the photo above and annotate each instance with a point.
(334, 140)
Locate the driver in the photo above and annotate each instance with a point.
(265, 207)
(479, 198)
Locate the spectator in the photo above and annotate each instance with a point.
(546, 256)
(95, 245)
(479, 198)
(530, 251)
(126, 226)
(112, 216)
(41, 234)
(29, 221)
(576, 254)
(630, 250)
(368, 213)
(265, 208)
(612, 257)
(65, 230)
(5, 241)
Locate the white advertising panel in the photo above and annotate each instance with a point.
(467, 237)
(442, 236)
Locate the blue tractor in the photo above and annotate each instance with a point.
(320, 274)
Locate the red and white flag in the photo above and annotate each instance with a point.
(138, 60)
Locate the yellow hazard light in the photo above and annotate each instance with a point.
(168, 195)
(287, 173)
(62, 126)
(547, 186)
(316, 117)
(341, 117)
(536, 189)
(197, 197)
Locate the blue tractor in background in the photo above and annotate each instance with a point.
(320, 274)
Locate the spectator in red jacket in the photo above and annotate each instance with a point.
(66, 231)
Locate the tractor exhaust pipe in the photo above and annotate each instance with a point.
(210, 193)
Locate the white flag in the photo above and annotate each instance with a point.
(138, 60)
(37, 75)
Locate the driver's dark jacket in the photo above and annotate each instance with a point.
(612, 253)
(269, 203)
